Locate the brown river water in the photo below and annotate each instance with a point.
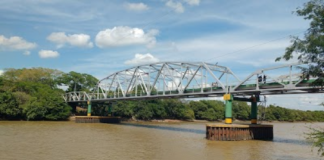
(79, 141)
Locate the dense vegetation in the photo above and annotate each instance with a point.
(211, 110)
(33, 94)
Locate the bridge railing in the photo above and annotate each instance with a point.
(286, 78)
(195, 80)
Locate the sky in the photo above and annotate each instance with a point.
(101, 37)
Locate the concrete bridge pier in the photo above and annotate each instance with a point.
(236, 132)
(254, 110)
(110, 107)
(89, 108)
(228, 108)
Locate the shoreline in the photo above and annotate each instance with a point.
(72, 118)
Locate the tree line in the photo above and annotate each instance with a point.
(34, 94)
(211, 110)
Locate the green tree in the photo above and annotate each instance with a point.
(210, 115)
(52, 102)
(217, 106)
(78, 81)
(9, 106)
(159, 111)
(316, 138)
(99, 108)
(123, 109)
(143, 111)
(310, 49)
(241, 110)
(35, 75)
(34, 110)
(177, 109)
(199, 108)
(32, 94)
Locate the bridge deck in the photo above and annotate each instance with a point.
(190, 80)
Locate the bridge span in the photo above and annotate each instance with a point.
(196, 79)
(200, 79)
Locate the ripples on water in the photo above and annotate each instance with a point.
(69, 140)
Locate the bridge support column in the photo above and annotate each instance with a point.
(89, 108)
(228, 108)
(254, 111)
(110, 109)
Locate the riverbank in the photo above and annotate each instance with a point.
(72, 118)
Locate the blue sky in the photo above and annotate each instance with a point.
(101, 37)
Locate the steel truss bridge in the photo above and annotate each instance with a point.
(196, 79)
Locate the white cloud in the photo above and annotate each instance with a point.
(1, 72)
(15, 43)
(192, 2)
(79, 40)
(136, 6)
(142, 59)
(176, 6)
(48, 54)
(123, 36)
(26, 53)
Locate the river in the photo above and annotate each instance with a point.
(20, 140)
